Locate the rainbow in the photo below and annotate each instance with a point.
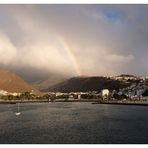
(71, 55)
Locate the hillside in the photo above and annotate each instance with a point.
(13, 83)
(84, 84)
(51, 81)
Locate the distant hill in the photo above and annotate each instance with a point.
(84, 84)
(13, 83)
(51, 81)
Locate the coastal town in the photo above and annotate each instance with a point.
(137, 91)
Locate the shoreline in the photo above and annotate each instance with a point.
(93, 101)
(122, 103)
(44, 101)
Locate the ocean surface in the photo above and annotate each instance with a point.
(73, 123)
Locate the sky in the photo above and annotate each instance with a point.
(39, 41)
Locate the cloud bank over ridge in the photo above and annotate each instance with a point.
(39, 40)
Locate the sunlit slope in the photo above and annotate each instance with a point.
(13, 83)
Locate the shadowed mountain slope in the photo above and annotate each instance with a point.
(84, 84)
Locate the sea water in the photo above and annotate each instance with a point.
(73, 123)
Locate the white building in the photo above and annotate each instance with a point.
(105, 93)
(15, 94)
(3, 93)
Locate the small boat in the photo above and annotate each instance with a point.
(18, 112)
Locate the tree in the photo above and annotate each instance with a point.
(4, 97)
(26, 96)
(52, 98)
(10, 97)
(145, 93)
(46, 97)
(116, 96)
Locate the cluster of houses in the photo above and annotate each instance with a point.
(69, 96)
(5, 93)
(135, 91)
(126, 77)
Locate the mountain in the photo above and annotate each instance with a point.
(51, 81)
(11, 82)
(84, 84)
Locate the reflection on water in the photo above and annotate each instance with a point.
(73, 123)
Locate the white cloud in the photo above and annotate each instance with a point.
(100, 46)
(119, 59)
(7, 50)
